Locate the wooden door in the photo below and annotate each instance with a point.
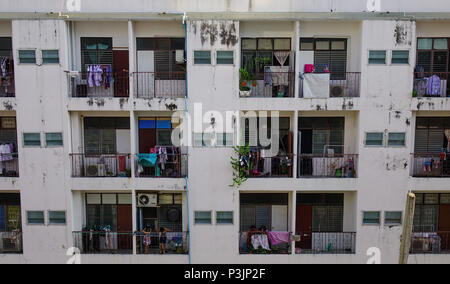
(147, 140)
(121, 73)
(125, 227)
(444, 227)
(304, 226)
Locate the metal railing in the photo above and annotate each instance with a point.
(161, 166)
(328, 166)
(7, 85)
(271, 85)
(84, 85)
(148, 85)
(248, 241)
(326, 243)
(342, 85)
(122, 243)
(430, 243)
(175, 243)
(430, 165)
(9, 165)
(425, 88)
(11, 242)
(270, 167)
(92, 165)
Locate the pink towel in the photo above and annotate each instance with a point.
(278, 237)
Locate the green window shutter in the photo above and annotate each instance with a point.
(27, 56)
(50, 56)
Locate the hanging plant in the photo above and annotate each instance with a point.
(240, 165)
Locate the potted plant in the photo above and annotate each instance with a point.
(244, 77)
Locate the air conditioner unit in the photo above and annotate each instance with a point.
(179, 57)
(337, 91)
(147, 200)
(96, 170)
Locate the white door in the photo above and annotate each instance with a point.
(279, 218)
(146, 77)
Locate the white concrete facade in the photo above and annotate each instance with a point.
(43, 104)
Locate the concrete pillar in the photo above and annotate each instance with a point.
(295, 152)
(297, 58)
(132, 55)
(293, 208)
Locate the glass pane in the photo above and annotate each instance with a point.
(377, 57)
(32, 139)
(371, 218)
(9, 122)
(425, 43)
(165, 199)
(400, 57)
(57, 217)
(164, 123)
(322, 45)
(178, 199)
(109, 199)
(35, 217)
(282, 44)
(431, 199)
(93, 199)
(27, 56)
(441, 43)
(396, 139)
(125, 199)
(54, 139)
(393, 218)
(445, 198)
(164, 137)
(338, 45)
(224, 217)
(50, 56)
(202, 217)
(13, 218)
(225, 57)
(265, 44)
(202, 57)
(147, 124)
(374, 139)
(249, 44)
(145, 44)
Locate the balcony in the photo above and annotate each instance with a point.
(149, 85)
(99, 85)
(256, 242)
(11, 242)
(430, 165)
(89, 165)
(431, 84)
(269, 167)
(328, 166)
(430, 243)
(326, 243)
(9, 165)
(334, 85)
(161, 166)
(7, 85)
(122, 243)
(270, 85)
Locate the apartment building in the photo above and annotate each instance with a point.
(94, 96)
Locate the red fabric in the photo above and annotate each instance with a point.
(122, 163)
(309, 68)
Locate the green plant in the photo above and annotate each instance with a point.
(244, 77)
(238, 165)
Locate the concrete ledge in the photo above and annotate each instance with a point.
(135, 259)
(430, 104)
(306, 184)
(175, 184)
(9, 184)
(8, 104)
(291, 104)
(101, 184)
(430, 184)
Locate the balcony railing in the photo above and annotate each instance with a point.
(430, 165)
(328, 166)
(122, 243)
(430, 243)
(326, 243)
(10, 242)
(431, 84)
(271, 85)
(161, 166)
(7, 85)
(270, 167)
(261, 243)
(176, 243)
(149, 85)
(85, 85)
(89, 165)
(9, 165)
(342, 85)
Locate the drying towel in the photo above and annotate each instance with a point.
(122, 163)
(260, 241)
(278, 237)
(147, 160)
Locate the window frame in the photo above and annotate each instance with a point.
(55, 223)
(50, 63)
(54, 146)
(383, 139)
(196, 221)
(396, 146)
(386, 223)
(225, 51)
(222, 223)
(364, 223)
(377, 50)
(35, 224)
(432, 52)
(19, 51)
(31, 146)
(202, 64)
(400, 63)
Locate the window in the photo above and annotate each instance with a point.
(164, 56)
(102, 209)
(306, 44)
(35, 217)
(8, 131)
(57, 217)
(375, 139)
(397, 139)
(393, 218)
(258, 53)
(202, 217)
(254, 125)
(50, 56)
(432, 54)
(202, 57)
(53, 139)
(32, 139)
(10, 214)
(96, 50)
(225, 57)
(5, 47)
(225, 139)
(27, 56)
(321, 135)
(377, 57)
(430, 134)
(371, 218)
(400, 57)
(155, 131)
(224, 217)
(100, 133)
(327, 211)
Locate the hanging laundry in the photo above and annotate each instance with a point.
(434, 86)
(278, 237)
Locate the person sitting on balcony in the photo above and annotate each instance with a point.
(163, 240)
(147, 238)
